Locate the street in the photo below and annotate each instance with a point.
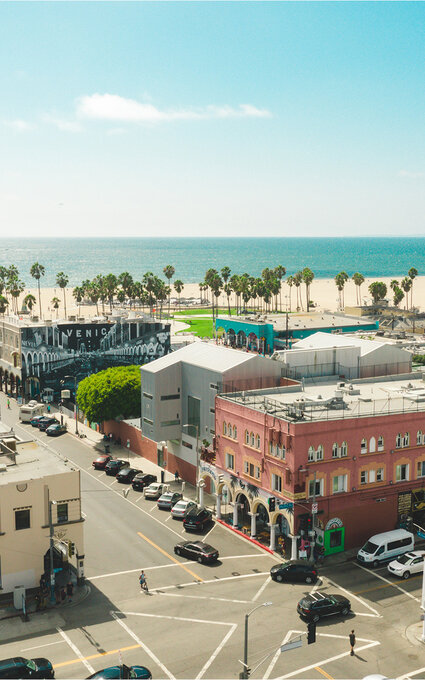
(191, 623)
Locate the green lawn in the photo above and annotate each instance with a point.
(203, 328)
(203, 311)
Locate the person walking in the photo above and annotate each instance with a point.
(143, 582)
(8, 403)
(352, 639)
(69, 590)
(176, 476)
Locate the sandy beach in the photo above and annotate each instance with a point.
(323, 293)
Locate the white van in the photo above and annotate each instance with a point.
(30, 410)
(386, 546)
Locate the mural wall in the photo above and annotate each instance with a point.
(50, 353)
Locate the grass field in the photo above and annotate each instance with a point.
(203, 328)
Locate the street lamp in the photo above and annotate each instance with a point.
(52, 570)
(197, 458)
(74, 378)
(245, 673)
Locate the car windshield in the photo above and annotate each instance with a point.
(305, 603)
(404, 559)
(30, 664)
(370, 548)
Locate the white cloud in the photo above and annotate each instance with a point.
(19, 125)
(112, 107)
(62, 124)
(411, 175)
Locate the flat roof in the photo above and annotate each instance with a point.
(302, 320)
(337, 400)
(32, 462)
(322, 340)
(203, 354)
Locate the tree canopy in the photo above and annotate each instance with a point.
(112, 393)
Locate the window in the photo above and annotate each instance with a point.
(380, 443)
(372, 476)
(229, 429)
(169, 397)
(421, 468)
(344, 449)
(406, 439)
(402, 472)
(276, 482)
(271, 448)
(148, 421)
(363, 446)
(247, 437)
(193, 413)
(168, 423)
(251, 439)
(319, 452)
(230, 461)
(235, 432)
(372, 445)
(62, 509)
(380, 475)
(398, 441)
(148, 396)
(212, 410)
(419, 438)
(363, 477)
(334, 450)
(213, 387)
(186, 444)
(257, 441)
(224, 428)
(339, 483)
(245, 467)
(319, 487)
(22, 519)
(257, 472)
(311, 454)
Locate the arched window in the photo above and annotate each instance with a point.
(235, 432)
(229, 429)
(283, 453)
(311, 454)
(419, 438)
(398, 441)
(363, 446)
(406, 439)
(270, 447)
(319, 452)
(380, 443)
(252, 439)
(344, 449)
(224, 428)
(334, 450)
(246, 437)
(372, 445)
(257, 441)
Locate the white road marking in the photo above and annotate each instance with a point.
(356, 597)
(152, 509)
(216, 651)
(204, 597)
(75, 650)
(169, 517)
(139, 499)
(263, 587)
(394, 585)
(177, 618)
(83, 515)
(213, 580)
(206, 535)
(142, 644)
(277, 654)
(409, 675)
(48, 644)
(243, 557)
(90, 468)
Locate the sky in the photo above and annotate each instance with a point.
(212, 118)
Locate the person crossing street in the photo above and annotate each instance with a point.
(143, 582)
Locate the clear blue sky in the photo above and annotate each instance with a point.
(217, 119)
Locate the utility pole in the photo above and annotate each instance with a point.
(313, 519)
(52, 570)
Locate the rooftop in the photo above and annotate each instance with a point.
(24, 320)
(302, 320)
(321, 340)
(337, 400)
(205, 355)
(32, 462)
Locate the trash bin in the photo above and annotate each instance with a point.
(18, 597)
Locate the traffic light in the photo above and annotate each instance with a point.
(71, 548)
(311, 632)
(309, 523)
(272, 504)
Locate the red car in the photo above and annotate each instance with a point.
(101, 462)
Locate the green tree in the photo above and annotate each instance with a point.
(406, 285)
(62, 281)
(3, 304)
(378, 290)
(111, 394)
(78, 293)
(37, 271)
(227, 287)
(340, 281)
(169, 272)
(125, 280)
(280, 272)
(398, 295)
(29, 301)
(297, 283)
(55, 305)
(178, 287)
(110, 283)
(15, 287)
(412, 274)
(290, 282)
(358, 280)
(307, 276)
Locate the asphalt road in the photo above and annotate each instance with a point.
(191, 624)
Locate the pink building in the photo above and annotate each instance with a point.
(354, 453)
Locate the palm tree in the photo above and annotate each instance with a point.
(62, 281)
(280, 272)
(406, 285)
(340, 281)
(93, 291)
(55, 305)
(3, 278)
(412, 274)
(378, 290)
(16, 287)
(358, 280)
(297, 283)
(398, 295)
(228, 290)
(29, 301)
(125, 280)
(169, 272)
(78, 294)
(178, 287)
(307, 276)
(3, 304)
(37, 271)
(110, 283)
(290, 281)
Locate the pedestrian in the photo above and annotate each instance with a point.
(352, 638)
(176, 476)
(69, 590)
(8, 403)
(143, 582)
(63, 595)
(48, 408)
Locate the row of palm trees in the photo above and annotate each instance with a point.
(11, 285)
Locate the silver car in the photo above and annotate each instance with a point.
(181, 508)
(154, 491)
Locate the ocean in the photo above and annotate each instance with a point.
(83, 258)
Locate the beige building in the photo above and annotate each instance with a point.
(34, 483)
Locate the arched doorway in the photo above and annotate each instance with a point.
(244, 509)
(253, 343)
(241, 341)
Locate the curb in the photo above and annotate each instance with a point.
(54, 608)
(248, 538)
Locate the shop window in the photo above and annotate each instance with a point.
(363, 446)
(230, 461)
(339, 483)
(421, 468)
(419, 438)
(276, 482)
(402, 472)
(372, 445)
(318, 489)
(380, 443)
(380, 475)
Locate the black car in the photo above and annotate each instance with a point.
(197, 550)
(19, 667)
(122, 672)
(39, 420)
(197, 519)
(115, 465)
(46, 422)
(141, 480)
(126, 475)
(34, 421)
(294, 571)
(312, 607)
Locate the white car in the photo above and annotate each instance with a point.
(179, 510)
(409, 563)
(154, 491)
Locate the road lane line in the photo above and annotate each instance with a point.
(216, 652)
(325, 661)
(206, 535)
(142, 645)
(75, 650)
(386, 585)
(178, 618)
(277, 655)
(356, 597)
(317, 668)
(205, 597)
(394, 585)
(263, 587)
(213, 580)
(48, 644)
(96, 656)
(409, 675)
(170, 557)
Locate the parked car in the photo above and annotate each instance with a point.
(55, 430)
(154, 491)
(294, 571)
(34, 421)
(126, 475)
(197, 550)
(19, 667)
(122, 671)
(113, 467)
(141, 480)
(46, 422)
(168, 499)
(409, 563)
(197, 519)
(312, 607)
(181, 508)
(101, 461)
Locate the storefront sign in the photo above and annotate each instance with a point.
(334, 523)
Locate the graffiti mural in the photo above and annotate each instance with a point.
(53, 353)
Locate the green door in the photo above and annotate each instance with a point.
(334, 540)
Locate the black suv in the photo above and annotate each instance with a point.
(312, 607)
(293, 571)
(141, 480)
(18, 667)
(115, 465)
(197, 519)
